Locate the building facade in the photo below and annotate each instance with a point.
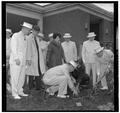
(76, 18)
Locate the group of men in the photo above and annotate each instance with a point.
(51, 62)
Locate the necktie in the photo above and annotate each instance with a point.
(38, 56)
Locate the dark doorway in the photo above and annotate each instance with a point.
(94, 27)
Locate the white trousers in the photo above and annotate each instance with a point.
(17, 78)
(59, 83)
(102, 72)
(89, 67)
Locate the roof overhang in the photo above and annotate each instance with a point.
(57, 8)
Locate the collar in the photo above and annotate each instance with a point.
(22, 33)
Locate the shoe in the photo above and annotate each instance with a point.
(63, 96)
(17, 97)
(104, 88)
(23, 94)
(50, 92)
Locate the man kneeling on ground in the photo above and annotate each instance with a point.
(59, 78)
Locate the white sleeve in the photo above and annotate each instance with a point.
(75, 51)
(29, 49)
(112, 56)
(14, 45)
(83, 53)
(66, 73)
(97, 65)
(98, 43)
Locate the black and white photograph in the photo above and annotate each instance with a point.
(59, 56)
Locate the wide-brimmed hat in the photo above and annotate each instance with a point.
(50, 35)
(73, 63)
(91, 34)
(67, 35)
(99, 49)
(40, 35)
(27, 25)
(9, 30)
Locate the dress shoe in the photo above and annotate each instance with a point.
(17, 97)
(50, 92)
(63, 96)
(104, 88)
(23, 94)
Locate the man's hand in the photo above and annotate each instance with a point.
(74, 81)
(98, 75)
(29, 62)
(75, 92)
(17, 62)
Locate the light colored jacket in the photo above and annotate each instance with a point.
(61, 70)
(8, 48)
(44, 46)
(18, 48)
(70, 50)
(105, 60)
(32, 55)
(88, 51)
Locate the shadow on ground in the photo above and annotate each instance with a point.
(36, 102)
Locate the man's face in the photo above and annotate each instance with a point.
(27, 30)
(100, 54)
(67, 39)
(91, 38)
(57, 39)
(8, 34)
(35, 33)
(40, 38)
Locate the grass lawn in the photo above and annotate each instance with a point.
(36, 102)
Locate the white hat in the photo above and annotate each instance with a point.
(41, 35)
(50, 35)
(73, 63)
(91, 34)
(31, 31)
(67, 35)
(9, 30)
(97, 50)
(25, 24)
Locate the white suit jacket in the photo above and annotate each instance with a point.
(88, 51)
(70, 50)
(8, 48)
(18, 48)
(44, 45)
(104, 61)
(61, 70)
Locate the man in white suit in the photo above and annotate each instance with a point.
(8, 38)
(58, 78)
(18, 60)
(69, 48)
(88, 55)
(105, 60)
(8, 51)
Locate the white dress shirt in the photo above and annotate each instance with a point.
(88, 51)
(70, 50)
